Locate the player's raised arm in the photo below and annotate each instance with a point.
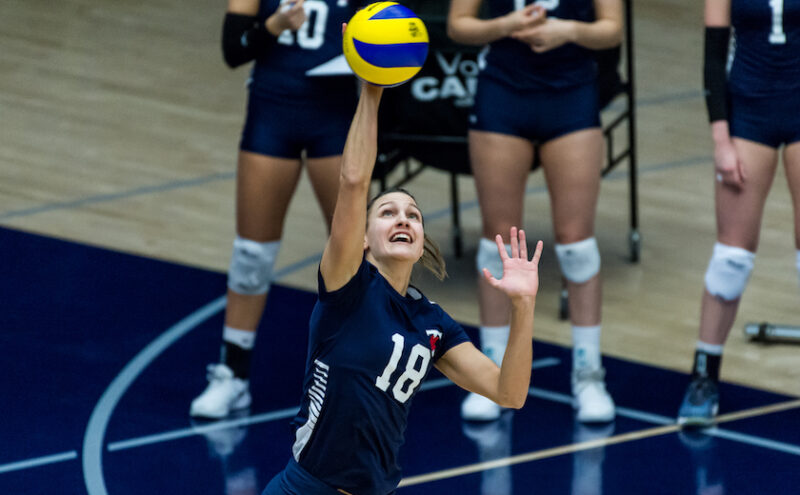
(345, 246)
(472, 370)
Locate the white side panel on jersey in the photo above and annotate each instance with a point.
(316, 397)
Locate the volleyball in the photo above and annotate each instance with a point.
(385, 43)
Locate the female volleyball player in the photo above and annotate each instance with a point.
(373, 337)
(538, 88)
(294, 117)
(754, 110)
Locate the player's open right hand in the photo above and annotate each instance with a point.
(520, 275)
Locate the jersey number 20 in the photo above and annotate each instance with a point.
(416, 366)
(307, 38)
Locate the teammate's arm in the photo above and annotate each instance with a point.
(345, 247)
(464, 25)
(717, 38)
(728, 167)
(244, 38)
(604, 32)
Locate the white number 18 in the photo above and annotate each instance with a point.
(416, 366)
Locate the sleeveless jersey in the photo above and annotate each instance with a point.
(369, 350)
(766, 57)
(514, 63)
(282, 70)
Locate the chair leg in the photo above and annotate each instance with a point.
(635, 238)
(456, 215)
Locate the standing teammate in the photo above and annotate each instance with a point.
(293, 118)
(373, 337)
(754, 110)
(538, 88)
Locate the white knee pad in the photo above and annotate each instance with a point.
(251, 266)
(579, 261)
(728, 271)
(489, 258)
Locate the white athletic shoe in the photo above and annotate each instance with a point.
(590, 397)
(225, 393)
(478, 408)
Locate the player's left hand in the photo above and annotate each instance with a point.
(550, 34)
(520, 275)
(290, 15)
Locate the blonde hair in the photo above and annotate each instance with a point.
(431, 258)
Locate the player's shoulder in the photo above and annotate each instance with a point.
(416, 294)
(432, 307)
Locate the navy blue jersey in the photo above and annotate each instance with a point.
(514, 63)
(767, 47)
(282, 70)
(369, 350)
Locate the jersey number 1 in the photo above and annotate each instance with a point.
(416, 366)
(777, 36)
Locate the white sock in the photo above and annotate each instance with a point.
(245, 339)
(585, 347)
(713, 349)
(494, 341)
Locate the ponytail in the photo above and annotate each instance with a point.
(432, 259)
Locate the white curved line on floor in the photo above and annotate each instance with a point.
(92, 454)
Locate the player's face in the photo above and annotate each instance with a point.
(394, 228)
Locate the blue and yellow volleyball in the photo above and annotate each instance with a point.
(385, 43)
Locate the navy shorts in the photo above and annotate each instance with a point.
(538, 116)
(294, 480)
(283, 128)
(773, 120)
